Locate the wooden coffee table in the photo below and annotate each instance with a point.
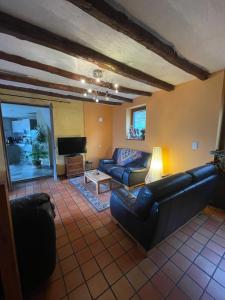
(98, 178)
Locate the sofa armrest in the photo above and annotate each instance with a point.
(122, 197)
(107, 161)
(21, 207)
(134, 175)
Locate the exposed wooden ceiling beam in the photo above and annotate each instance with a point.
(52, 85)
(52, 94)
(119, 21)
(26, 31)
(67, 74)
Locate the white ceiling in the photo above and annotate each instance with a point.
(196, 28)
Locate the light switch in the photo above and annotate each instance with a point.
(195, 145)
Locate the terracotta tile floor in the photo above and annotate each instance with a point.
(97, 260)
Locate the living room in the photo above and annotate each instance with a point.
(120, 232)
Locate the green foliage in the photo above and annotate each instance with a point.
(38, 151)
(41, 134)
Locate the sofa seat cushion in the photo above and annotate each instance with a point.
(202, 172)
(107, 168)
(117, 172)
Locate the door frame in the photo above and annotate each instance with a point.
(5, 155)
(52, 140)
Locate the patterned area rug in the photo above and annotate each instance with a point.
(99, 201)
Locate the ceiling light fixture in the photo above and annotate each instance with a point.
(98, 75)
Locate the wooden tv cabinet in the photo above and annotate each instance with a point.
(74, 165)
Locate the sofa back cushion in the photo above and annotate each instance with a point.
(126, 156)
(131, 158)
(157, 190)
(202, 172)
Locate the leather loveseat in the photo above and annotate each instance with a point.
(127, 166)
(153, 212)
(35, 238)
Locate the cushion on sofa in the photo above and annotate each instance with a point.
(107, 168)
(169, 185)
(202, 172)
(126, 156)
(117, 172)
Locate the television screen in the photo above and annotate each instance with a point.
(71, 145)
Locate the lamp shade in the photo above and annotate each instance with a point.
(156, 166)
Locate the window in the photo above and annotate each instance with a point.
(138, 118)
(137, 123)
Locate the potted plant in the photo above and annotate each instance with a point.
(38, 153)
(39, 146)
(219, 159)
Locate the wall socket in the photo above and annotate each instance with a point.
(195, 145)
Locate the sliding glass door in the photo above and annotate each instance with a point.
(28, 141)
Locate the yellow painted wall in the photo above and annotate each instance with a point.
(68, 121)
(99, 134)
(176, 119)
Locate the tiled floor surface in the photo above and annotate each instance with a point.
(96, 259)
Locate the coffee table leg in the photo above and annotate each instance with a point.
(97, 187)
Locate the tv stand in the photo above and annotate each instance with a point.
(74, 165)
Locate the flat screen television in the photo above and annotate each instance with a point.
(71, 145)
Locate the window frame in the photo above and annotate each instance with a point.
(133, 110)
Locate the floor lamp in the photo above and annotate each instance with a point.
(156, 167)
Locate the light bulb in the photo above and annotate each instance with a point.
(116, 85)
(117, 92)
(98, 80)
(96, 100)
(83, 81)
(89, 91)
(85, 94)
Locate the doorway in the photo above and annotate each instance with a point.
(28, 141)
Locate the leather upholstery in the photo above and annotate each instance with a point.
(202, 172)
(153, 212)
(169, 185)
(35, 238)
(131, 174)
(117, 173)
(219, 198)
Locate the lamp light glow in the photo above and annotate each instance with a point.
(83, 81)
(156, 167)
